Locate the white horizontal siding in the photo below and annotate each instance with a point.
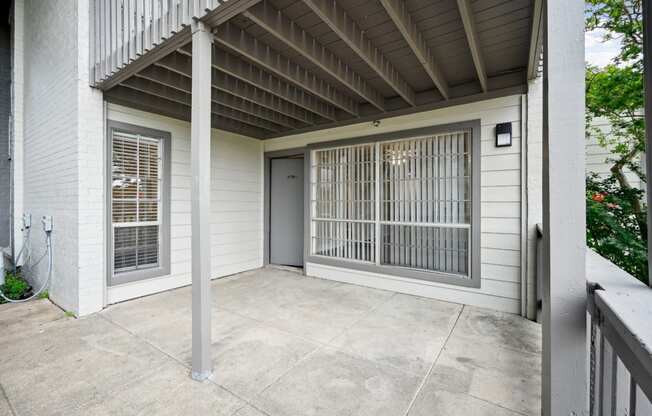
(599, 159)
(499, 241)
(501, 209)
(236, 204)
(501, 194)
(500, 204)
(596, 155)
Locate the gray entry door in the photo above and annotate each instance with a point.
(286, 212)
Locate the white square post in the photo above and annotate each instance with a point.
(200, 149)
(647, 62)
(565, 354)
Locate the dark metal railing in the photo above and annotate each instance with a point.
(539, 273)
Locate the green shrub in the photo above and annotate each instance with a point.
(613, 228)
(15, 287)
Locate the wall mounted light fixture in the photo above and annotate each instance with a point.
(503, 134)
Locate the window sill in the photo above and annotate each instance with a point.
(436, 277)
(128, 277)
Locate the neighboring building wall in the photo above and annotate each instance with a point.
(500, 205)
(236, 204)
(598, 158)
(5, 113)
(62, 151)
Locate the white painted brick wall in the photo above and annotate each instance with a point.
(50, 140)
(63, 150)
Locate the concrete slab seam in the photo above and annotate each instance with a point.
(434, 363)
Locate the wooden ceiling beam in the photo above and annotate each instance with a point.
(250, 100)
(292, 101)
(470, 95)
(184, 84)
(151, 88)
(244, 71)
(302, 42)
(131, 98)
(468, 21)
(398, 12)
(251, 74)
(266, 57)
(237, 88)
(181, 64)
(349, 31)
(299, 103)
(246, 118)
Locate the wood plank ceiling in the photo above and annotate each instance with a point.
(289, 66)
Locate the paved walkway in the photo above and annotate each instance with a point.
(283, 345)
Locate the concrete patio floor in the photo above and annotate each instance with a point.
(283, 345)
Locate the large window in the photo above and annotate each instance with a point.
(344, 203)
(138, 211)
(403, 204)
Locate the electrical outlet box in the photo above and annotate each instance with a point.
(47, 223)
(27, 220)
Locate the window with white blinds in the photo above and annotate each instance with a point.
(402, 203)
(136, 167)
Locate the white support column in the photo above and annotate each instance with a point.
(564, 309)
(647, 60)
(200, 131)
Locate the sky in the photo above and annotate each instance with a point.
(599, 53)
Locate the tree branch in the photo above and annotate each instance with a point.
(617, 171)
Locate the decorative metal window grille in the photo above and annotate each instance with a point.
(403, 203)
(136, 201)
(344, 203)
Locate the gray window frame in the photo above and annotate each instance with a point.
(474, 279)
(164, 231)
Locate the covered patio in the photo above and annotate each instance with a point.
(289, 72)
(283, 345)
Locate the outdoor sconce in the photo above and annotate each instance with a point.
(503, 134)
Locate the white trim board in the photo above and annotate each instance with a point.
(132, 290)
(137, 289)
(447, 293)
